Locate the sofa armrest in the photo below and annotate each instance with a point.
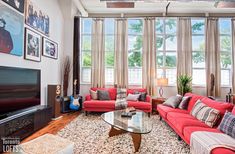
(88, 98)
(148, 98)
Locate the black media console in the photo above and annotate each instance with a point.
(24, 122)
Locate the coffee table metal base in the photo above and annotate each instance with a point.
(136, 138)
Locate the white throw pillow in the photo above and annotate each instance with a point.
(133, 97)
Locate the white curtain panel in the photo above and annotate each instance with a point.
(121, 53)
(212, 58)
(98, 53)
(233, 55)
(149, 56)
(184, 47)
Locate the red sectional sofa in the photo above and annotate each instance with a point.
(105, 106)
(184, 124)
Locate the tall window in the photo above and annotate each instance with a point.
(109, 51)
(225, 50)
(198, 48)
(166, 48)
(86, 50)
(135, 42)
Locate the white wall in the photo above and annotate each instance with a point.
(69, 11)
(50, 68)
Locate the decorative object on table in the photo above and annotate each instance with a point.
(128, 112)
(212, 85)
(11, 31)
(66, 71)
(33, 46)
(36, 18)
(162, 82)
(229, 96)
(50, 48)
(74, 100)
(184, 84)
(156, 101)
(16, 4)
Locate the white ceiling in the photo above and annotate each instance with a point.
(95, 6)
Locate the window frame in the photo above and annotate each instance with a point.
(107, 51)
(164, 50)
(84, 51)
(135, 51)
(199, 68)
(223, 51)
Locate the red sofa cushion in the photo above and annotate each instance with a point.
(112, 92)
(139, 105)
(221, 106)
(233, 112)
(131, 91)
(163, 110)
(181, 123)
(189, 130)
(178, 115)
(222, 151)
(99, 104)
(193, 100)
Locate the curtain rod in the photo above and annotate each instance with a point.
(196, 15)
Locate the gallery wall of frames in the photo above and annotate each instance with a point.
(32, 40)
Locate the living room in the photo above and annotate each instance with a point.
(117, 76)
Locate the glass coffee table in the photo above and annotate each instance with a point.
(137, 125)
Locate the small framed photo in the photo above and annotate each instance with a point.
(17, 4)
(33, 47)
(50, 48)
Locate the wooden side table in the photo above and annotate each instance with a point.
(155, 102)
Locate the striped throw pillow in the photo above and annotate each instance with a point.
(205, 113)
(227, 124)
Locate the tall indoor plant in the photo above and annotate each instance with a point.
(184, 84)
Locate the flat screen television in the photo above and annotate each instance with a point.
(19, 89)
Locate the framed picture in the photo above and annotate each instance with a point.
(17, 4)
(36, 19)
(11, 30)
(33, 47)
(50, 48)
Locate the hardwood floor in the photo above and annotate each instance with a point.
(54, 126)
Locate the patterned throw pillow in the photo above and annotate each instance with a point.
(227, 124)
(103, 95)
(121, 93)
(205, 113)
(94, 95)
(184, 103)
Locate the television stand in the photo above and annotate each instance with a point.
(24, 122)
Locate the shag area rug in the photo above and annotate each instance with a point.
(90, 135)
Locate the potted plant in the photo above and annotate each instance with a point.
(184, 84)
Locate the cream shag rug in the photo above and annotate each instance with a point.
(90, 135)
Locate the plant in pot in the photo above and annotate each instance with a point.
(184, 84)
